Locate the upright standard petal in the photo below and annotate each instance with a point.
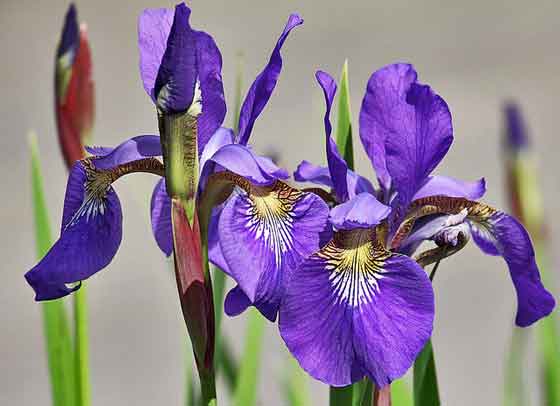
(154, 26)
(364, 211)
(279, 226)
(209, 63)
(264, 85)
(516, 131)
(90, 236)
(508, 238)
(337, 165)
(174, 89)
(405, 128)
(160, 214)
(354, 309)
(446, 186)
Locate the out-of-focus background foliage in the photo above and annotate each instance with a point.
(475, 54)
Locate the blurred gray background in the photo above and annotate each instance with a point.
(475, 54)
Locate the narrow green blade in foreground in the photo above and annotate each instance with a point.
(81, 347)
(341, 396)
(247, 380)
(426, 392)
(344, 120)
(55, 321)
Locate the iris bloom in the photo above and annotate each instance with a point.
(74, 96)
(266, 227)
(181, 71)
(360, 307)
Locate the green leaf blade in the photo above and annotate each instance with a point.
(55, 320)
(344, 120)
(426, 392)
(247, 381)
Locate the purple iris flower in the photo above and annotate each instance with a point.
(359, 306)
(266, 227)
(181, 71)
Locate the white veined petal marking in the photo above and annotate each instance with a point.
(354, 260)
(270, 217)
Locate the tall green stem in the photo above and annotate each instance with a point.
(81, 353)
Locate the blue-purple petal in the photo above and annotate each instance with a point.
(343, 318)
(337, 165)
(174, 88)
(264, 84)
(243, 161)
(154, 26)
(91, 234)
(70, 39)
(280, 228)
(142, 146)
(451, 187)
(308, 172)
(160, 215)
(236, 302)
(209, 62)
(510, 240)
(363, 211)
(516, 130)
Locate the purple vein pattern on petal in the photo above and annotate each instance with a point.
(91, 234)
(351, 311)
(510, 239)
(451, 187)
(211, 88)
(153, 30)
(142, 146)
(160, 214)
(176, 78)
(337, 166)
(279, 229)
(264, 84)
(364, 211)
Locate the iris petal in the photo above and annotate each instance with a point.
(510, 239)
(355, 309)
(364, 210)
(160, 214)
(446, 186)
(264, 84)
(154, 26)
(337, 165)
(279, 226)
(142, 146)
(91, 234)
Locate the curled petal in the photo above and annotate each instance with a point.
(236, 302)
(502, 234)
(355, 309)
(160, 214)
(446, 186)
(91, 234)
(364, 211)
(337, 165)
(264, 84)
(279, 226)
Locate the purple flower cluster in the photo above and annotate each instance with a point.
(340, 273)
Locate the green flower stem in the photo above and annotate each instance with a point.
(81, 352)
